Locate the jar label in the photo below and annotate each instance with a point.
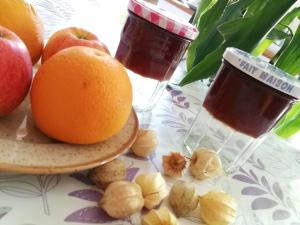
(276, 82)
(265, 77)
(263, 71)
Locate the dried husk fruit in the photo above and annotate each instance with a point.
(205, 163)
(145, 143)
(121, 199)
(154, 188)
(174, 164)
(183, 198)
(218, 208)
(110, 172)
(162, 216)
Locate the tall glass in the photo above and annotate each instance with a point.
(244, 103)
(151, 47)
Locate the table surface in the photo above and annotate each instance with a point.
(266, 187)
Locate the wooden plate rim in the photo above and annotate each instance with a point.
(5, 167)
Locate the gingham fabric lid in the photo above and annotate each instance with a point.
(163, 19)
(263, 71)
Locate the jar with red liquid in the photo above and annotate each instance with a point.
(152, 44)
(245, 101)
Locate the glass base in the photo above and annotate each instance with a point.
(146, 92)
(233, 148)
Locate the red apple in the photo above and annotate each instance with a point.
(71, 36)
(15, 71)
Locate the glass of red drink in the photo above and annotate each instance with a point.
(151, 46)
(245, 101)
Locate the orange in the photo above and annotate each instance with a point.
(21, 18)
(81, 95)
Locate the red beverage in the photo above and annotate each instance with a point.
(245, 103)
(151, 46)
(149, 50)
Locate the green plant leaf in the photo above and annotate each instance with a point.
(255, 7)
(262, 47)
(286, 43)
(210, 38)
(290, 16)
(288, 116)
(241, 32)
(203, 6)
(278, 34)
(245, 33)
(207, 23)
(290, 124)
(206, 68)
(289, 59)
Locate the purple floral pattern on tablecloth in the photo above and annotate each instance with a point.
(91, 214)
(94, 214)
(178, 98)
(87, 194)
(131, 173)
(181, 122)
(266, 195)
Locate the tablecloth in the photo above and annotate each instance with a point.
(267, 187)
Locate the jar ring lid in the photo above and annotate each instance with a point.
(163, 19)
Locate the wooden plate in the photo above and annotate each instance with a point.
(25, 149)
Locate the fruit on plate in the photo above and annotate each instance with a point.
(71, 36)
(81, 95)
(15, 71)
(21, 18)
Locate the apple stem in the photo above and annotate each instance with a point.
(82, 37)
